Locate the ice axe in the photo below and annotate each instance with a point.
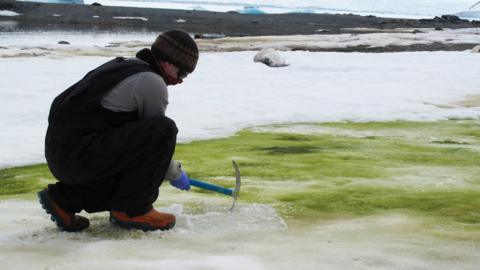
(219, 189)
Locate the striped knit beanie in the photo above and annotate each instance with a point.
(177, 48)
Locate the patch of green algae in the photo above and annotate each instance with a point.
(24, 180)
(337, 170)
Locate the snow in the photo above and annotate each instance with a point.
(9, 13)
(229, 92)
(131, 18)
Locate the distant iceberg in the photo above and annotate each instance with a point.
(251, 10)
(469, 14)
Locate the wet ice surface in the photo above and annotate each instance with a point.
(210, 221)
(253, 237)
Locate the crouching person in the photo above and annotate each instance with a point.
(109, 143)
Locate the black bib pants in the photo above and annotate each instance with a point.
(106, 160)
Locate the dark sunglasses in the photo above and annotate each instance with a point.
(182, 74)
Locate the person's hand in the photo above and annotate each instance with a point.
(182, 182)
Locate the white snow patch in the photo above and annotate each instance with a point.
(131, 18)
(9, 13)
(270, 57)
(317, 87)
(180, 21)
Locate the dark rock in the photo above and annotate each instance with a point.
(64, 42)
(452, 19)
(96, 4)
(444, 19)
(438, 28)
(7, 3)
(416, 31)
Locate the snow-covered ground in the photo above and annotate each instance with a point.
(228, 91)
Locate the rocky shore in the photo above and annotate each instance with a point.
(95, 17)
(204, 24)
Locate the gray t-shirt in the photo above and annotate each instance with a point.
(146, 93)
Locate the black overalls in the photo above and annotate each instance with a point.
(106, 160)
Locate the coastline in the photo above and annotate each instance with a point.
(42, 16)
(206, 25)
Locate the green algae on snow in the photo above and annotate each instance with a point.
(27, 179)
(331, 170)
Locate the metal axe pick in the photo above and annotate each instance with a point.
(219, 189)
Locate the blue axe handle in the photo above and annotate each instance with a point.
(211, 187)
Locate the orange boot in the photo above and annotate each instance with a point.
(66, 221)
(152, 220)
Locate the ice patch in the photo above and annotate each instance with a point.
(25, 222)
(9, 13)
(220, 221)
(131, 18)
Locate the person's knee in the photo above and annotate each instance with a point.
(164, 127)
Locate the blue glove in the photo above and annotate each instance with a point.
(182, 182)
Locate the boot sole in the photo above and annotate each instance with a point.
(46, 203)
(139, 226)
